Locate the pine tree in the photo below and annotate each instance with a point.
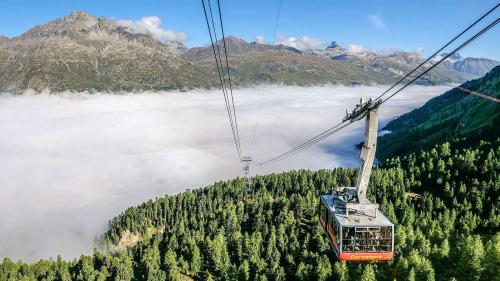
(470, 251)
(170, 265)
(340, 271)
(219, 256)
(491, 260)
(368, 273)
(324, 268)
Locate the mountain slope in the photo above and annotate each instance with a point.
(81, 52)
(454, 116)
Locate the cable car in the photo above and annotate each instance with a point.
(355, 227)
(356, 236)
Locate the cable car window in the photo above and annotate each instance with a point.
(333, 230)
(329, 224)
(348, 239)
(385, 241)
(363, 239)
(323, 214)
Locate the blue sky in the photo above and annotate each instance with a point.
(377, 25)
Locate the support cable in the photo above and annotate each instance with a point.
(257, 119)
(307, 144)
(221, 77)
(438, 51)
(276, 22)
(477, 35)
(229, 77)
(340, 126)
(479, 94)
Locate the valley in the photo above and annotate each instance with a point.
(91, 156)
(132, 148)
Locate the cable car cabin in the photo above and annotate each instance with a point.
(356, 236)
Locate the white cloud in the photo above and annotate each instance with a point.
(388, 51)
(438, 58)
(377, 21)
(418, 50)
(152, 25)
(71, 162)
(302, 43)
(260, 39)
(451, 59)
(353, 49)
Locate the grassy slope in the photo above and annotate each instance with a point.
(455, 116)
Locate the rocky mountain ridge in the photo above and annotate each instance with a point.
(81, 52)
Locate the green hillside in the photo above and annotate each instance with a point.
(455, 116)
(444, 204)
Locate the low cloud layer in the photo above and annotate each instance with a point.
(300, 43)
(152, 25)
(69, 163)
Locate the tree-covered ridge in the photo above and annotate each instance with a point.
(454, 116)
(444, 203)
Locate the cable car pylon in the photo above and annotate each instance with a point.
(246, 160)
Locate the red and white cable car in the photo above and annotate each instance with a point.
(356, 237)
(355, 227)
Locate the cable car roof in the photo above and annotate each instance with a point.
(337, 207)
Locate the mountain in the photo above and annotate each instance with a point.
(252, 63)
(256, 63)
(473, 66)
(455, 116)
(333, 50)
(81, 52)
(444, 230)
(396, 64)
(476, 66)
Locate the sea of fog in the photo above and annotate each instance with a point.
(70, 162)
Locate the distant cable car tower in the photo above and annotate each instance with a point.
(356, 229)
(246, 160)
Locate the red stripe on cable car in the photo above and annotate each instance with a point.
(362, 256)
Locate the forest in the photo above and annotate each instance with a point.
(443, 201)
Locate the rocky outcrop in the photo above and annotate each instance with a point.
(81, 52)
